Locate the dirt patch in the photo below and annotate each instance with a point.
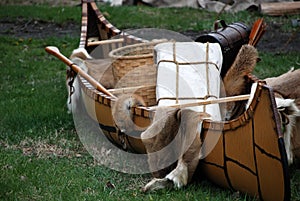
(274, 40)
(22, 28)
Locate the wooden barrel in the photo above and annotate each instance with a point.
(230, 37)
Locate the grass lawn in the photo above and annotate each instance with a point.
(41, 156)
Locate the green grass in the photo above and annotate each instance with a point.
(41, 157)
(182, 19)
(275, 64)
(29, 80)
(78, 178)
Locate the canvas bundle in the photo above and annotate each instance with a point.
(188, 72)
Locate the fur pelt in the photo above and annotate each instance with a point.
(173, 146)
(287, 92)
(80, 53)
(235, 82)
(161, 133)
(287, 85)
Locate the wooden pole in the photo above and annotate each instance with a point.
(55, 52)
(213, 101)
(104, 42)
(207, 102)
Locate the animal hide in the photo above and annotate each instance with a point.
(287, 85)
(235, 82)
(290, 118)
(173, 146)
(287, 91)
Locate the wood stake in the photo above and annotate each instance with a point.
(280, 8)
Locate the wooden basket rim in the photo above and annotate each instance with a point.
(149, 45)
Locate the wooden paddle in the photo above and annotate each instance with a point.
(258, 29)
(55, 51)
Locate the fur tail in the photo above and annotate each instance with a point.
(234, 80)
(122, 112)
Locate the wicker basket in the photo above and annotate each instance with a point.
(133, 65)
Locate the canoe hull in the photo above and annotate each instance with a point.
(248, 153)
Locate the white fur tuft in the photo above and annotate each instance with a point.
(289, 108)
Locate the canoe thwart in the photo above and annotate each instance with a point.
(104, 42)
(207, 102)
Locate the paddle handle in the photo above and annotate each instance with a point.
(55, 52)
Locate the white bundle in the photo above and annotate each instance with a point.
(187, 82)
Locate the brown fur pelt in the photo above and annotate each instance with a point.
(173, 146)
(161, 133)
(287, 92)
(235, 82)
(287, 85)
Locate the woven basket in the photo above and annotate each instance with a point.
(133, 65)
